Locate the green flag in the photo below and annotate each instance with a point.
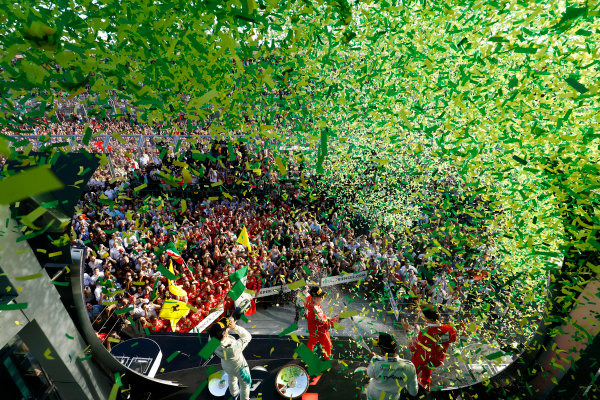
(239, 274)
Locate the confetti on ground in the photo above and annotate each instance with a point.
(47, 354)
(29, 277)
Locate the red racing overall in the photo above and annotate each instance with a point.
(429, 350)
(318, 327)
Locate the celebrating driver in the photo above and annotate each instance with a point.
(318, 323)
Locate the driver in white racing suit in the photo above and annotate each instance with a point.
(390, 373)
(232, 359)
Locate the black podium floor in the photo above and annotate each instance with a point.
(271, 353)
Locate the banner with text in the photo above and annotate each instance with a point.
(328, 281)
(269, 291)
(206, 322)
(338, 279)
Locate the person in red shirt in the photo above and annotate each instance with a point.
(193, 293)
(184, 325)
(211, 303)
(158, 324)
(199, 315)
(199, 275)
(208, 277)
(228, 306)
(253, 283)
(431, 345)
(318, 323)
(219, 294)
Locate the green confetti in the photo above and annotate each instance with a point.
(576, 85)
(297, 285)
(171, 276)
(28, 183)
(495, 355)
(172, 356)
(293, 327)
(16, 306)
(209, 348)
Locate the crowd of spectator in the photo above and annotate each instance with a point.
(293, 234)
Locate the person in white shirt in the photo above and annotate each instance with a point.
(116, 251)
(139, 293)
(442, 282)
(138, 309)
(95, 263)
(212, 176)
(115, 237)
(109, 193)
(98, 293)
(438, 296)
(87, 279)
(411, 278)
(230, 351)
(390, 373)
(97, 275)
(144, 160)
(150, 309)
(130, 239)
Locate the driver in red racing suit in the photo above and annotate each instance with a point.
(318, 323)
(430, 347)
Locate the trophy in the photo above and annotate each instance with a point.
(218, 383)
(291, 381)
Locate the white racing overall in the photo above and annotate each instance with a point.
(388, 376)
(233, 362)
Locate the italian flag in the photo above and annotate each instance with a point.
(173, 254)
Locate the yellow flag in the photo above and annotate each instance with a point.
(174, 289)
(173, 310)
(243, 238)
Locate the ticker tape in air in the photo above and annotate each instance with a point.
(392, 300)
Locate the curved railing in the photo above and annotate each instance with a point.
(152, 386)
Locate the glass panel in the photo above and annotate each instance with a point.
(24, 376)
(141, 365)
(7, 290)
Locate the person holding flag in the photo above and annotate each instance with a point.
(253, 283)
(174, 310)
(172, 252)
(176, 290)
(240, 281)
(246, 275)
(318, 323)
(243, 239)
